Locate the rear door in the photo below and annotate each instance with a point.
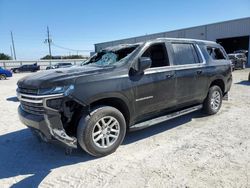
(188, 67)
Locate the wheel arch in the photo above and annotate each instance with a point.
(115, 102)
(219, 82)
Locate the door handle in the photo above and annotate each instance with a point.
(170, 75)
(199, 72)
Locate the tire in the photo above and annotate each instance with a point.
(2, 77)
(249, 77)
(212, 103)
(89, 125)
(243, 66)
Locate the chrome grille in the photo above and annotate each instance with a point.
(33, 108)
(35, 104)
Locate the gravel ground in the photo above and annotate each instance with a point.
(190, 151)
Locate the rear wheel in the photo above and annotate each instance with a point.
(2, 77)
(101, 132)
(212, 103)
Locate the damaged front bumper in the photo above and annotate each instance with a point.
(38, 113)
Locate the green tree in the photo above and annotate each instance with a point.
(73, 57)
(63, 57)
(4, 57)
(47, 57)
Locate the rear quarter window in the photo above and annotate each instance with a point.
(216, 53)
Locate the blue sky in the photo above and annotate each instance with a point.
(78, 24)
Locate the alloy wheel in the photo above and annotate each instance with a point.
(105, 132)
(215, 100)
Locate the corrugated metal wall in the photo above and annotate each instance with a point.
(232, 28)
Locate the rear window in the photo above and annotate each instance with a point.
(184, 53)
(216, 53)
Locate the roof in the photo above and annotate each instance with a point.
(186, 39)
(121, 46)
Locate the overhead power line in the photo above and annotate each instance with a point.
(70, 49)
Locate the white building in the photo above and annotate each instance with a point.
(232, 35)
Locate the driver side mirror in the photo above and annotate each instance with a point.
(143, 64)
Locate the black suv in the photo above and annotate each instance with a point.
(26, 68)
(122, 88)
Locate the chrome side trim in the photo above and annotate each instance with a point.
(144, 98)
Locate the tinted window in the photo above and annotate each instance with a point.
(184, 53)
(158, 55)
(231, 57)
(215, 53)
(241, 56)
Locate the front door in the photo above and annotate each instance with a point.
(155, 89)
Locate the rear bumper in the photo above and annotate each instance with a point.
(49, 127)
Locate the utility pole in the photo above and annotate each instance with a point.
(48, 40)
(13, 45)
(11, 52)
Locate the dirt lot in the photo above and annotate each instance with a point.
(191, 151)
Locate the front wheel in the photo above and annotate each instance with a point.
(101, 132)
(2, 77)
(212, 103)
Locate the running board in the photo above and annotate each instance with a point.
(161, 119)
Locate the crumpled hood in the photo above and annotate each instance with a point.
(59, 77)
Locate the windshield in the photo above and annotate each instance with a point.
(110, 57)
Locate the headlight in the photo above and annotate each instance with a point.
(66, 90)
(69, 90)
